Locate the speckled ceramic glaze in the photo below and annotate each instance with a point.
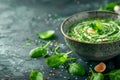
(92, 51)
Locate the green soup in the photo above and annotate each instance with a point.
(95, 30)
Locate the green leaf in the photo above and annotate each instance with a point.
(114, 75)
(39, 51)
(34, 75)
(47, 34)
(109, 6)
(76, 69)
(57, 59)
(96, 76)
(97, 26)
(93, 25)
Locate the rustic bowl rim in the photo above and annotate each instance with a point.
(66, 36)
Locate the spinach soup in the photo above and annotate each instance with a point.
(95, 30)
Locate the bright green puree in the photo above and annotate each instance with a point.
(95, 30)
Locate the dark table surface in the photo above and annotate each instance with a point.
(20, 19)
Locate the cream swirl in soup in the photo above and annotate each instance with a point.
(95, 30)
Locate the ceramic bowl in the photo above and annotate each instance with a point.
(91, 51)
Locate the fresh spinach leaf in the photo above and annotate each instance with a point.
(39, 51)
(96, 76)
(109, 6)
(46, 34)
(58, 59)
(114, 75)
(76, 69)
(34, 75)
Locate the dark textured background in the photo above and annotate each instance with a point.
(19, 19)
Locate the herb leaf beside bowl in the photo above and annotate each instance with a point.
(58, 59)
(114, 75)
(96, 76)
(46, 34)
(76, 69)
(109, 6)
(35, 75)
(39, 51)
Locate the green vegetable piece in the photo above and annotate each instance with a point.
(96, 76)
(58, 59)
(54, 61)
(109, 7)
(47, 34)
(114, 75)
(97, 26)
(76, 69)
(39, 51)
(36, 75)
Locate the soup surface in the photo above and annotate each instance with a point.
(95, 30)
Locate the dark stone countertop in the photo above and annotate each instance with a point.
(19, 19)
